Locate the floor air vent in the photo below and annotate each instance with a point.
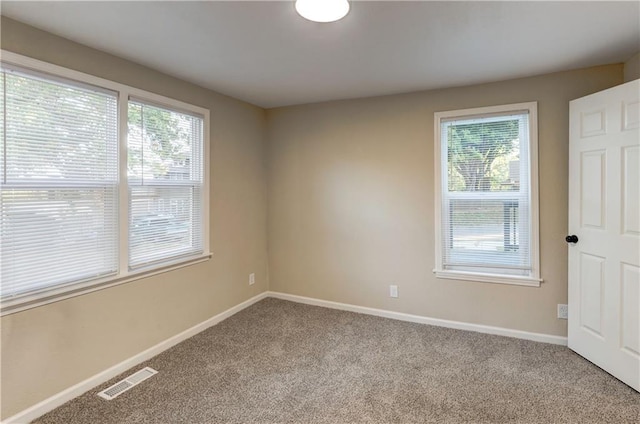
(124, 385)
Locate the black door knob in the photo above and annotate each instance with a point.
(571, 239)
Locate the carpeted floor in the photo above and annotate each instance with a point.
(282, 362)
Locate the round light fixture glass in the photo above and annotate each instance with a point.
(322, 10)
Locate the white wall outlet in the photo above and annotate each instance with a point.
(563, 311)
(252, 279)
(393, 290)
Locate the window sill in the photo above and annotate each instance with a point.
(28, 301)
(488, 278)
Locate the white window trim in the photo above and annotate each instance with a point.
(534, 278)
(125, 92)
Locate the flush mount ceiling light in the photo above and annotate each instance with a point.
(322, 10)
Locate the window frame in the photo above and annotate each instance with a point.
(168, 183)
(533, 279)
(124, 274)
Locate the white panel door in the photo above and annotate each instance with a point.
(604, 215)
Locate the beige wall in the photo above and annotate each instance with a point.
(632, 68)
(49, 348)
(351, 202)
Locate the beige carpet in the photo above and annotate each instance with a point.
(282, 362)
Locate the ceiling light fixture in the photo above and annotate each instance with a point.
(322, 10)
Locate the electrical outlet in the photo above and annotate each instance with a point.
(563, 311)
(252, 279)
(393, 290)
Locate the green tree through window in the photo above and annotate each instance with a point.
(473, 148)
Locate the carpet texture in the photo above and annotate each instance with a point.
(283, 362)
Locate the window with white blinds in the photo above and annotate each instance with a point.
(59, 169)
(487, 202)
(165, 184)
(101, 183)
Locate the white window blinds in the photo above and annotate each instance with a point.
(58, 168)
(486, 199)
(165, 172)
(100, 183)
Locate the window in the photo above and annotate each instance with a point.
(100, 183)
(59, 188)
(165, 184)
(486, 186)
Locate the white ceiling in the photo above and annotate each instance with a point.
(264, 53)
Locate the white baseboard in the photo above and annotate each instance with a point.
(58, 399)
(500, 331)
